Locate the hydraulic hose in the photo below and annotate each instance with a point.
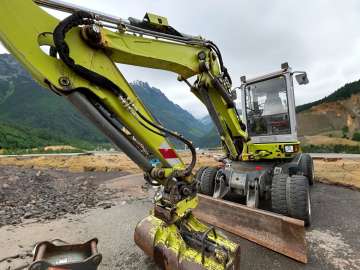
(191, 166)
(85, 18)
(76, 19)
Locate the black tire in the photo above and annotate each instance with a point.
(208, 181)
(278, 194)
(298, 198)
(198, 176)
(306, 166)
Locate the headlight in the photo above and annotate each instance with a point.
(289, 149)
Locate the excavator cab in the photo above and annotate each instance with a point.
(268, 106)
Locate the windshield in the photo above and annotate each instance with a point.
(267, 107)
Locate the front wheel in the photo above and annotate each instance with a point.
(298, 198)
(278, 194)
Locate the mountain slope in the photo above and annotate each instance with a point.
(336, 115)
(342, 93)
(335, 118)
(19, 137)
(171, 115)
(27, 105)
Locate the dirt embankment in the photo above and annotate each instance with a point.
(99, 163)
(343, 172)
(331, 117)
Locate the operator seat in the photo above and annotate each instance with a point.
(273, 104)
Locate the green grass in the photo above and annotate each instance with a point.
(332, 148)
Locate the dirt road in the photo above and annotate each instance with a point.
(333, 238)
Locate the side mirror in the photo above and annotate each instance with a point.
(302, 78)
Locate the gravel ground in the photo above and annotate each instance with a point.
(27, 194)
(333, 239)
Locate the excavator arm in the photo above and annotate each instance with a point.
(80, 66)
(133, 44)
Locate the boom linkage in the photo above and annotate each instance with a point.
(80, 66)
(229, 125)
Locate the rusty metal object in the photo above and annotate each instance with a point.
(279, 233)
(60, 255)
(163, 213)
(174, 257)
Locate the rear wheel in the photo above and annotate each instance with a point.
(298, 198)
(278, 194)
(198, 176)
(306, 166)
(208, 181)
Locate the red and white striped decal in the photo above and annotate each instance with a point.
(169, 154)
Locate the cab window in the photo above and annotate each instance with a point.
(267, 110)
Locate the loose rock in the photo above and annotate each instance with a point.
(29, 194)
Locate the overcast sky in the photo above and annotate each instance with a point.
(255, 37)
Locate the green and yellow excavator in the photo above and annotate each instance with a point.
(76, 58)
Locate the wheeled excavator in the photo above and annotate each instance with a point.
(262, 152)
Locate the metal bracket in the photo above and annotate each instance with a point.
(203, 239)
(221, 186)
(252, 196)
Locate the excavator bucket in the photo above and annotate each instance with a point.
(171, 249)
(282, 234)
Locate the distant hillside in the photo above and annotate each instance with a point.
(18, 137)
(23, 103)
(337, 115)
(30, 115)
(170, 114)
(342, 93)
(340, 118)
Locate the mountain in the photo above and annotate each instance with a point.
(207, 121)
(25, 105)
(30, 115)
(20, 137)
(337, 115)
(169, 114)
(342, 93)
(23, 102)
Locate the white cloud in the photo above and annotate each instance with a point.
(321, 37)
